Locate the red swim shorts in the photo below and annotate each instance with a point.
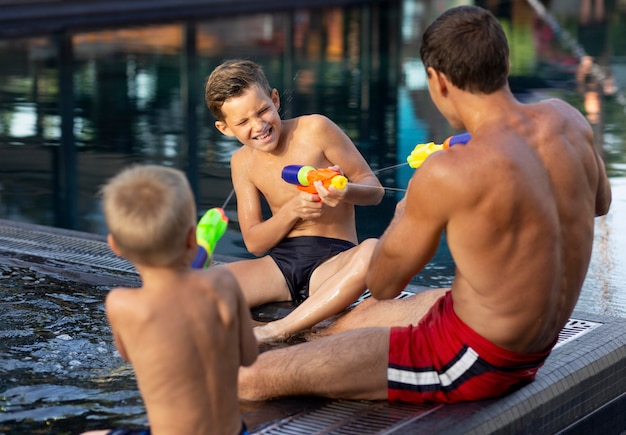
(443, 360)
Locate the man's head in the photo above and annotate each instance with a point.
(149, 211)
(467, 45)
(231, 79)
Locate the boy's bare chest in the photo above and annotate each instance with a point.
(267, 172)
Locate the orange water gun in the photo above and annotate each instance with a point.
(423, 150)
(304, 177)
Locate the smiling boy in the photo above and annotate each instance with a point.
(308, 248)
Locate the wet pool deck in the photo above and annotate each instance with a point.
(580, 389)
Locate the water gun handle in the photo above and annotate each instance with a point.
(423, 150)
(304, 177)
(210, 229)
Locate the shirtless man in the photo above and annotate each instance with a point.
(517, 204)
(185, 331)
(312, 254)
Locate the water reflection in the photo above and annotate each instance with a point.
(137, 96)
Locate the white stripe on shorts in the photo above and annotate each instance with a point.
(444, 379)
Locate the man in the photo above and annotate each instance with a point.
(517, 204)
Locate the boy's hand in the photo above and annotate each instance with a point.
(331, 196)
(307, 206)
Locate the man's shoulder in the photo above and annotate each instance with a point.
(556, 107)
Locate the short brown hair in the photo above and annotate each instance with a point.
(231, 79)
(468, 45)
(149, 210)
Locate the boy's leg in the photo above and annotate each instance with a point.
(261, 281)
(351, 365)
(334, 285)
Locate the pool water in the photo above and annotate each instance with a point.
(59, 366)
(59, 371)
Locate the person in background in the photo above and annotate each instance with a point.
(517, 204)
(185, 331)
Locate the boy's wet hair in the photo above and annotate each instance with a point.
(467, 44)
(231, 79)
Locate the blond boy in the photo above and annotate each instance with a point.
(186, 332)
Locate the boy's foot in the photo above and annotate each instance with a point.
(268, 333)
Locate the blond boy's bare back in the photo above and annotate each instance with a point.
(180, 332)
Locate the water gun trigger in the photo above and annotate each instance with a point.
(211, 227)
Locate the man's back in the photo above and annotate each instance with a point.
(521, 198)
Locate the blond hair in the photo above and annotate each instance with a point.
(149, 210)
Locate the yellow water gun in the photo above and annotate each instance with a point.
(423, 150)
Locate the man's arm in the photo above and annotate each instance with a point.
(603, 194)
(411, 239)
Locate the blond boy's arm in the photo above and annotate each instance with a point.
(112, 308)
(249, 346)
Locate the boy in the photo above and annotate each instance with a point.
(312, 254)
(517, 203)
(185, 331)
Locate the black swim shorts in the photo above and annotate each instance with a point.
(298, 257)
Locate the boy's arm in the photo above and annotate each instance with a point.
(249, 346)
(363, 187)
(112, 307)
(227, 283)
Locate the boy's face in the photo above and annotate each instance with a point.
(253, 119)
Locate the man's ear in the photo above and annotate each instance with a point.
(113, 245)
(437, 81)
(275, 98)
(223, 128)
